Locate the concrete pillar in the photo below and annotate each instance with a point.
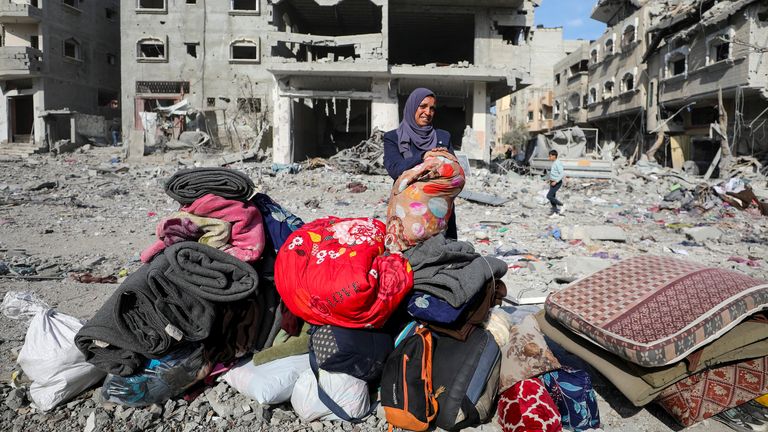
(282, 125)
(38, 102)
(72, 129)
(384, 112)
(480, 124)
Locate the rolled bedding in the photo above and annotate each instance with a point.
(190, 184)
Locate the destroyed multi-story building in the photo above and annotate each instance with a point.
(617, 78)
(571, 84)
(708, 71)
(315, 76)
(57, 57)
(534, 106)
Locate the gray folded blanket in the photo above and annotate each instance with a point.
(164, 303)
(209, 273)
(451, 270)
(190, 184)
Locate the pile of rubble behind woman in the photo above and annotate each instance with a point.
(204, 296)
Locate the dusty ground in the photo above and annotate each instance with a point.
(97, 216)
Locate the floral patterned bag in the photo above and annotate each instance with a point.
(335, 271)
(421, 202)
(572, 391)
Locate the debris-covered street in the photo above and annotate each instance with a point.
(87, 215)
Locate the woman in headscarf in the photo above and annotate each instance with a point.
(415, 139)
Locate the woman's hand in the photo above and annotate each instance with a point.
(437, 151)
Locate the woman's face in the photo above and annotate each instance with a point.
(425, 112)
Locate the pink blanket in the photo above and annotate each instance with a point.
(247, 235)
(246, 228)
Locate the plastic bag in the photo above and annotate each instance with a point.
(161, 380)
(348, 392)
(49, 356)
(269, 383)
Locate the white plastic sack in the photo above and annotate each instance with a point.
(269, 383)
(50, 358)
(348, 392)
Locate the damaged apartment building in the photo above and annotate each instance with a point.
(534, 107)
(59, 71)
(312, 77)
(673, 79)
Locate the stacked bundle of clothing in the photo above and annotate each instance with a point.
(204, 297)
(690, 338)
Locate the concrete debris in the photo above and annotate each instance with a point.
(89, 231)
(364, 158)
(594, 232)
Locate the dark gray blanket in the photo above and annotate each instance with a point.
(209, 273)
(163, 304)
(451, 270)
(190, 184)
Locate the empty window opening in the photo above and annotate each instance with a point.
(704, 116)
(72, 49)
(607, 90)
(530, 116)
(593, 56)
(34, 41)
(513, 35)
(650, 93)
(557, 79)
(628, 37)
(191, 1)
(249, 105)
(345, 18)
(592, 95)
(578, 68)
(585, 101)
(244, 5)
(609, 47)
(107, 98)
(628, 82)
(556, 110)
(762, 15)
(676, 65)
(110, 13)
(719, 48)
(307, 52)
(151, 4)
(244, 51)
(191, 48)
(151, 49)
(574, 102)
(323, 127)
(451, 38)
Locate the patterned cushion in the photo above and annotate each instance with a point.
(654, 311)
(527, 407)
(715, 390)
(526, 353)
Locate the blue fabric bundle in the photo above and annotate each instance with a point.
(572, 391)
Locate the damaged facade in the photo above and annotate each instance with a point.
(535, 107)
(323, 73)
(57, 55)
(657, 73)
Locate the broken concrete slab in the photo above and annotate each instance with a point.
(584, 266)
(700, 234)
(593, 232)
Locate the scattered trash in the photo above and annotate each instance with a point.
(89, 278)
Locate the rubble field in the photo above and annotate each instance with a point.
(86, 215)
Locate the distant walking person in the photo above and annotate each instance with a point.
(555, 178)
